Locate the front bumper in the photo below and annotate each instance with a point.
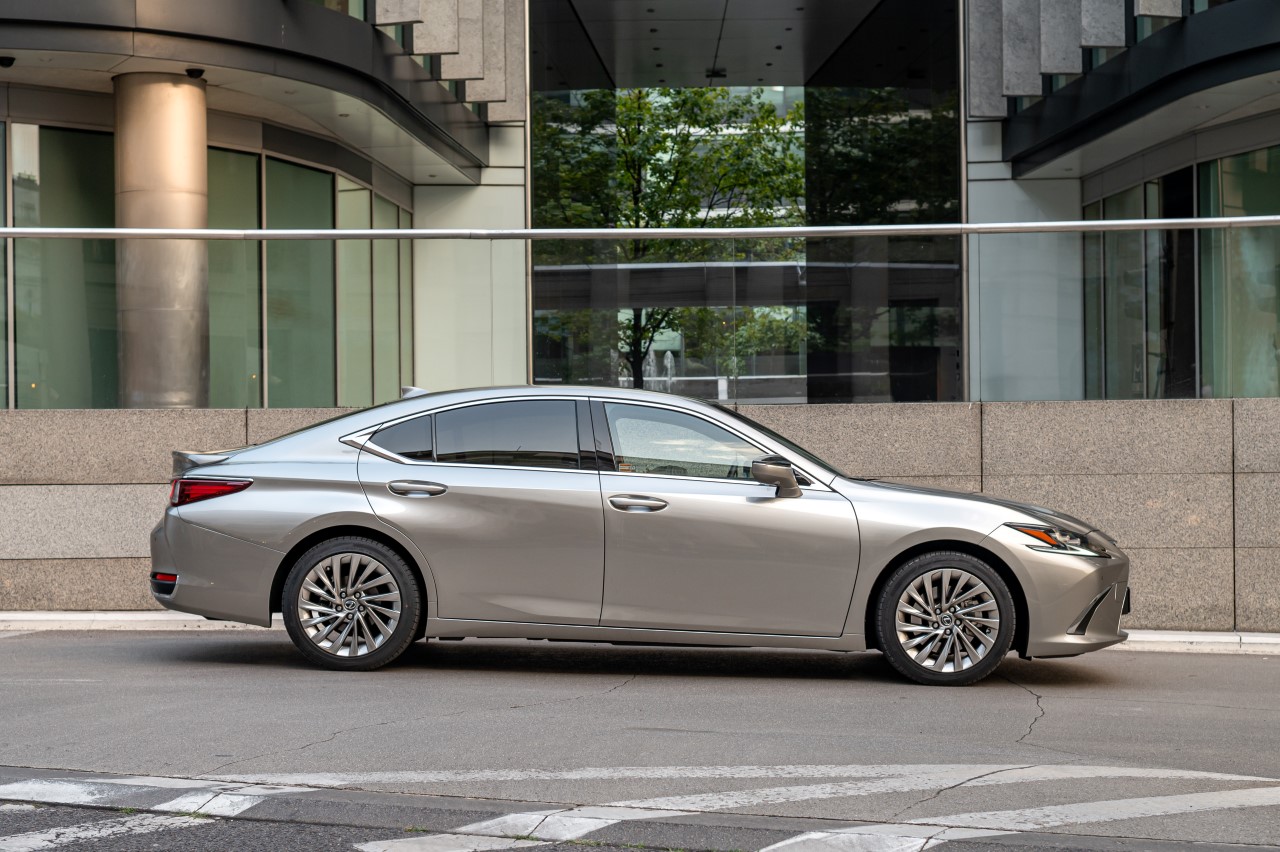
(1074, 603)
(217, 576)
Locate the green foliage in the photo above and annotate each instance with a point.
(871, 160)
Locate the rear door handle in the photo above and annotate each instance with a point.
(636, 503)
(406, 488)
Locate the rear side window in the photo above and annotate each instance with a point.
(411, 439)
(534, 433)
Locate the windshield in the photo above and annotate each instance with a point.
(786, 442)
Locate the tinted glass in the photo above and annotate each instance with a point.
(655, 440)
(527, 434)
(235, 283)
(411, 439)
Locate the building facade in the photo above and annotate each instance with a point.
(1128, 377)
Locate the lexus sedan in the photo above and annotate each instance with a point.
(612, 515)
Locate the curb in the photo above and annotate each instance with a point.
(107, 620)
(1195, 642)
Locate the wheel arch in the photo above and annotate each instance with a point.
(1021, 614)
(342, 531)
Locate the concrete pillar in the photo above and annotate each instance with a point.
(1020, 21)
(1060, 37)
(1102, 23)
(468, 62)
(162, 181)
(985, 55)
(1158, 8)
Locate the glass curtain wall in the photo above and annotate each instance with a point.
(1140, 296)
(300, 296)
(235, 282)
(64, 290)
(1240, 278)
(355, 297)
(873, 138)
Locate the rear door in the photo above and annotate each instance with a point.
(497, 497)
(692, 542)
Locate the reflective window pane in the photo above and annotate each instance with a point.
(659, 441)
(235, 283)
(355, 295)
(411, 439)
(386, 304)
(526, 434)
(300, 289)
(64, 290)
(1124, 305)
(406, 303)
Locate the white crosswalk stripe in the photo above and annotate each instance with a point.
(51, 838)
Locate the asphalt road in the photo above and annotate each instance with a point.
(556, 745)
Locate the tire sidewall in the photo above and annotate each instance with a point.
(886, 618)
(410, 604)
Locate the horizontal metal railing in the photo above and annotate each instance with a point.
(828, 231)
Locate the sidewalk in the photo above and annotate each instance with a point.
(1139, 640)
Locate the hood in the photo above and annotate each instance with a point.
(1048, 516)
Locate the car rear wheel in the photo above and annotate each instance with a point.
(945, 618)
(351, 604)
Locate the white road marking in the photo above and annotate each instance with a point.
(642, 773)
(53, 837)
(563, 824)
(446, 843)
(210, 804)
(160, 781)
(878, 838)
(8, 807)
(1034, 819)
(619, 773)
(57, 791)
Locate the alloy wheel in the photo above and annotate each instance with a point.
(947, 620)
(349, 604)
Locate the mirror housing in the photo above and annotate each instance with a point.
(776, 471)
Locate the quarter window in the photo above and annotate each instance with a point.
(411, 439)
(656, 440)
(540, 433)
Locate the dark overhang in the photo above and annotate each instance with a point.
(289, 41)
(1228, 44)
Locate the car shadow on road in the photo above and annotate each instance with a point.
(575, 658)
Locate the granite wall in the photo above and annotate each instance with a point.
(1188, 487)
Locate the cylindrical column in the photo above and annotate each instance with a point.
(162, 181)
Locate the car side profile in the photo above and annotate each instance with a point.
(614, 515)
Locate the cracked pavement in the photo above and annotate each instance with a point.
(244, 705)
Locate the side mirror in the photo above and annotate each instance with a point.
(776, 471)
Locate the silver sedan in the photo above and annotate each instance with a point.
(608, 515)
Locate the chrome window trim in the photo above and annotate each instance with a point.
(360, 440)
(817, 483)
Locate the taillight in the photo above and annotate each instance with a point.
(186, 491)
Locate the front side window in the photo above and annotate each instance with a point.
(542, 433)
(410, 439)
(656, 440)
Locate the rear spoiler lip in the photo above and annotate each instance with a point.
(185, 460)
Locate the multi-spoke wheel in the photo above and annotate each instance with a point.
(351, 603)
(945, 618)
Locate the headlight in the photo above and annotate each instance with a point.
(1056, 540)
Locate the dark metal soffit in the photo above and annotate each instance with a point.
(291, 39)
(1229, 43)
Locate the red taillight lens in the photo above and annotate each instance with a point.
(165, 578)
(186, 491)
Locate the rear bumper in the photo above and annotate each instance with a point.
(217, 576)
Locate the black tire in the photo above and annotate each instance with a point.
(400, 578)
(993, 643)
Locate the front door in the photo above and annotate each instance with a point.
(510, 524)
(693, 543)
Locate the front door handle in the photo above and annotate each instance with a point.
(406, 488)
(635, 503)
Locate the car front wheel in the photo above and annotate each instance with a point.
(351, 604)
(945, 618)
